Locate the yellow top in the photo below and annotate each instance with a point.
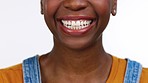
(14, 74)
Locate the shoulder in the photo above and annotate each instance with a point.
(121, 65)
(11, 74)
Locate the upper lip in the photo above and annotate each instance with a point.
(72, 17)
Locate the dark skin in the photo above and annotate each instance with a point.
(77, 59)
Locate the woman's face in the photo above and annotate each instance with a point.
(77, 24)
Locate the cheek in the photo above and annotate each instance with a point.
(102, 7)
(50, 8)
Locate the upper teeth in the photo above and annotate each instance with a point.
(76, 25)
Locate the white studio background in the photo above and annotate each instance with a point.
(23, 32)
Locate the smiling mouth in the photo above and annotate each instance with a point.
(76, 24)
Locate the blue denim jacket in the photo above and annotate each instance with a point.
(31, 71)
(133, 72)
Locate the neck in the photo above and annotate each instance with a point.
(80, 61)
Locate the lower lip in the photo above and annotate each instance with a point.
(76, 32)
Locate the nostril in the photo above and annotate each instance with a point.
(75, 5)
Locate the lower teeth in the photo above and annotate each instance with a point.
(76, 27)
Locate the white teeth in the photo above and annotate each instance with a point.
(77, 24)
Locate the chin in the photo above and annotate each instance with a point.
(78, 45)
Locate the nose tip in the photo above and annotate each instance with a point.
(75, 5)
